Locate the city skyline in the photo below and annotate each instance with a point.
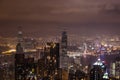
(59, 39)
(51, 17)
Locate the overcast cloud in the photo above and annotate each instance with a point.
(48, 15)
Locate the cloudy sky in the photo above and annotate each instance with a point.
(48, 17)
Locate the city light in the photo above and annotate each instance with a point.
(9, 51)
(59, 39)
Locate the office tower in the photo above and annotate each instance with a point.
(64, 42)
(97, 72)
(52, 60)
(30, 68)
(64, 59)
(19, 67)
(19, 63)
(41, 68)
(115, 68)
(25, 68)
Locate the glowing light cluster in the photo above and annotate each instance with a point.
(98, 62)
(105, 76)
(9, 51)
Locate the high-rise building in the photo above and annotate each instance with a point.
(19, 63)
(27, 43)
(97, 72)
(24, 67)
(115, 68)
(19, 67)
(64, 42)
(64, 59)
(52, 60)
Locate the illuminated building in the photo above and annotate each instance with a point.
(105, 76)
(64, 42)
(26, 43)
(30, 68)
(64, 59)
(41, 68)
(52, 60)
(97, 71)
(19, 67)
(24, 67)
(6, 66)
(19, 62)
(115, 68)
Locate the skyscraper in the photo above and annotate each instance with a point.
(19, 63)
(24, 67)
(52, 60)
(63, 54)
(64, 42)
(97, 71)
(115, 68)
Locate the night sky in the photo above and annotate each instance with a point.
(49, 17)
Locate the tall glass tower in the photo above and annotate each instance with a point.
(64, 43)
(64, 59)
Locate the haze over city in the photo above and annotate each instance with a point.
(52, 16)
(59, 39)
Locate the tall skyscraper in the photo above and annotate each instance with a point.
(64, 42)
(52, 60)
(20, 38)
(19, 63)
(115, 68)
(64, 59)
(24, 67)
(97, 72)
